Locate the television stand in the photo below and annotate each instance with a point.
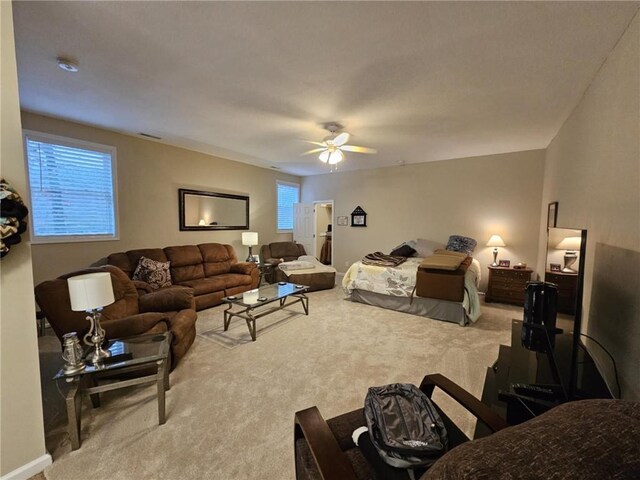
(517, 385)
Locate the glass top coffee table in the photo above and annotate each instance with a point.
(140, 353)
(251, 305)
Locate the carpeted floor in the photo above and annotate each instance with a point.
(230, 410)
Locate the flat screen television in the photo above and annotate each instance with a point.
(555, 305)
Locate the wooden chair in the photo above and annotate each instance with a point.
(325, 450)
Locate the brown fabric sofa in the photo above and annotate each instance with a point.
(129, 315)
(212, 270)
(277, 252)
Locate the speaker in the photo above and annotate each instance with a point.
(540, 311)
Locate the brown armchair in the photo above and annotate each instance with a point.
(277, 252)
(130, 314)
(324, 449)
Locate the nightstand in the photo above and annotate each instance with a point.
(567, 287)
(507, 285)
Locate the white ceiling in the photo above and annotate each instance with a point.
(250, 81)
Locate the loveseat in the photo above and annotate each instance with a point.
(278, 252)
(212, 270)
(130, 314)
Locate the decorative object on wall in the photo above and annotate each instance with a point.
(552, 214)
(504, 263)
(250, 239)
(571, 245)
(343, 221)
(89, 293)
(358, 217)
(495, 241)
(202, 210)
(13, 214)
(333, 146)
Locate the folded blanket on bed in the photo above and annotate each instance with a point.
(295, 265)
(380, 259)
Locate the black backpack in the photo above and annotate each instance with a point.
(404, 426)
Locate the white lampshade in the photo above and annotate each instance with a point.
(250, 238)
(496, 241)
(569, 243)
(89, 291)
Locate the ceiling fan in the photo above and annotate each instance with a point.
(334, 145)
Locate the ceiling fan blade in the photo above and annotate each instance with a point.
(321, 144)
(356, 149)
(341, 139)
(314, 150)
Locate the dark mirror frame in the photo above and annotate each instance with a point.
(181, 202)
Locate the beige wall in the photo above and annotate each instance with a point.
(593, 171)
(21, 424)
(476, 197)
(149, 176)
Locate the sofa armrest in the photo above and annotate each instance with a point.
(245, 268)
(167, 300)
(134, 325)
(481, 411)
(273, 261)
(332, 463)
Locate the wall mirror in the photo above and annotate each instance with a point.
(201, 210)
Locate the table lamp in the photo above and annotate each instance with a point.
(89, 293)
(495, 241)
(570, 244)
(250, 239)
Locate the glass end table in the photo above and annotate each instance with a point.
(131, 354)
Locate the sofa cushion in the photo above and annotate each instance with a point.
(155, 274)
(234, 279)
(186, 263)
(205, 285)
(285, 249)
(153, 253)
(217, 258)
(121, 260)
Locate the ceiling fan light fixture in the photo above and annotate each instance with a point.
(335, 157)
(324, 156)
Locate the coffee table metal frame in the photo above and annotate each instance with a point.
(247, 311)
(86, 381)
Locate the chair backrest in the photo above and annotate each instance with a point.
(217, 258)
(53, 298)
(285, 250)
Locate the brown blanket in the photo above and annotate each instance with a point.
(380, 259)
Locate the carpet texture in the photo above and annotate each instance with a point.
(230, 411)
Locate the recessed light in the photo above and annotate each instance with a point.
(67, 65)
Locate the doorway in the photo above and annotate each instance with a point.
(313, 228)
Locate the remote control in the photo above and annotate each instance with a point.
(533, 390)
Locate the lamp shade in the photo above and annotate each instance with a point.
(250, 238)
(570, 243)
(496, 241)
(90, 291)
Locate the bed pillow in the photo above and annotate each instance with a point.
(458, 243)
(405, 250)
(425, 248)
(156, 274)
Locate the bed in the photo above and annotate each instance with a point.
(392, 288)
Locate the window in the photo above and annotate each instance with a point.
(288, 194)
(72, 188)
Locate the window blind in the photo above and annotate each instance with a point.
(288, 194)
(71, 190)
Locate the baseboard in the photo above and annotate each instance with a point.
(30, 469)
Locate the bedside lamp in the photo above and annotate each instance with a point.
(570, 244)
(495, 241)
(89, 293)
(250, 239)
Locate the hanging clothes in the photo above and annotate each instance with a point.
(325, 251)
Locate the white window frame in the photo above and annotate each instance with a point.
(73, 143)
(291, 184)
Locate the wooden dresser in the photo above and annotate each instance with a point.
(567, 286)
(506, 285)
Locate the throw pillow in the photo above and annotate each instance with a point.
(425, 248)
(403, 251)
(156, 274)
(458, 243)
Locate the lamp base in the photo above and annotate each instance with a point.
(95, 338)
(495, 258)
(250, 257)
(570, 258)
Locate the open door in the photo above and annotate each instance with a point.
(304, 226)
